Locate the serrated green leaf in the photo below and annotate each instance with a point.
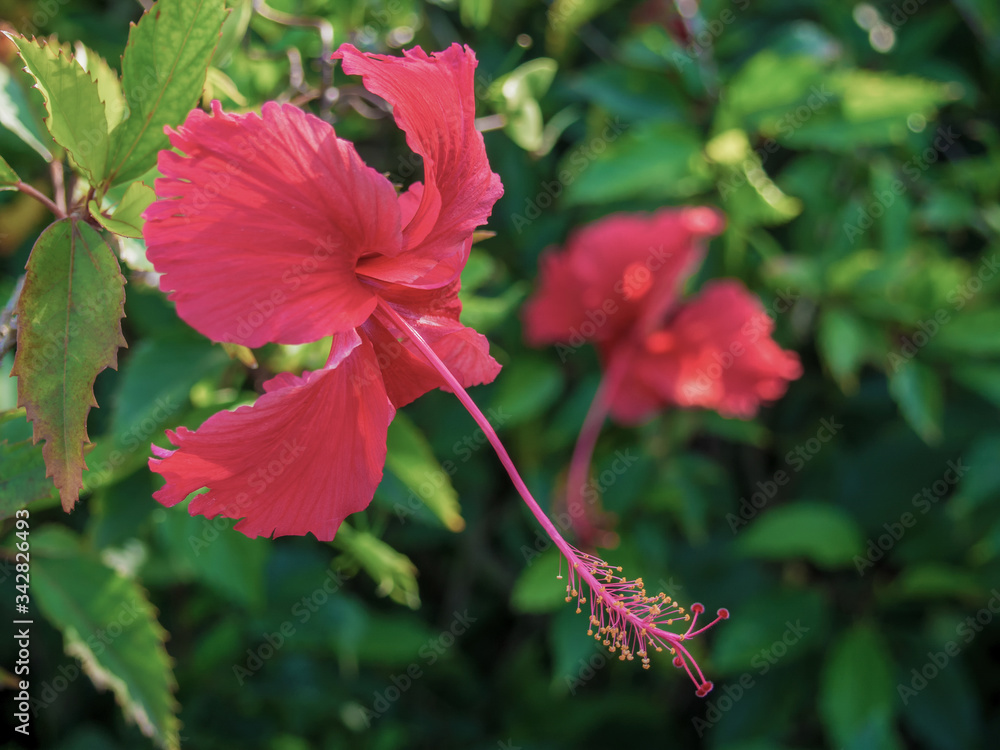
(15, 115)
(163, 73)
(412, 460)
(819, 532)
(393, 571)
(76, 117)
(109, 89)
(857, 694)
(22, 468)
(108, 624)
(126, 219)
(69, 330)
(8, 177)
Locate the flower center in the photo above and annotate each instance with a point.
(637, 281)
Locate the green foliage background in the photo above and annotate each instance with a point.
(861, 182)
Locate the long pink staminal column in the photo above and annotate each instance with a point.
(625, 618)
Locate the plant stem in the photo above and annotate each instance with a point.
(41, 198)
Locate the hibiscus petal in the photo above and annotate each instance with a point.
(622, 271)
(307, 454)
(434, 314)
(717, 353)
(433, 100)
(259, 228)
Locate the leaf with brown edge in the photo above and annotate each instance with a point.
(68, 331)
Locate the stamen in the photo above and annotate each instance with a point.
(624, 617)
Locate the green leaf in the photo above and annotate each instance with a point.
(163, 73)
(842, 340)
(649, 161)
(857, 692)
(516, 96)
(475, 13)
(77, 119)
(108, 624)
(798, 619)
(109, 89)
(537, 589)
(819, 532)
(975, 332)
(22, 468)
(126, 219)
(155, 383)
(932, 580)
(916, 389)
(393, 571)
(210, 551)
(233, 30)
(528, 388)
(566, 16)
(412, 460)
(8, 177)
(69, 330)
(15, 115)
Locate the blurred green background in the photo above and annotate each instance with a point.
(852, 529)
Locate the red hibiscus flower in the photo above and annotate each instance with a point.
(617, 285)
(271, 229)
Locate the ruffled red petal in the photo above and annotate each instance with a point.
(717, 353)
(616, 273)
(259, 228)
(433, 100)
(307, 454)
